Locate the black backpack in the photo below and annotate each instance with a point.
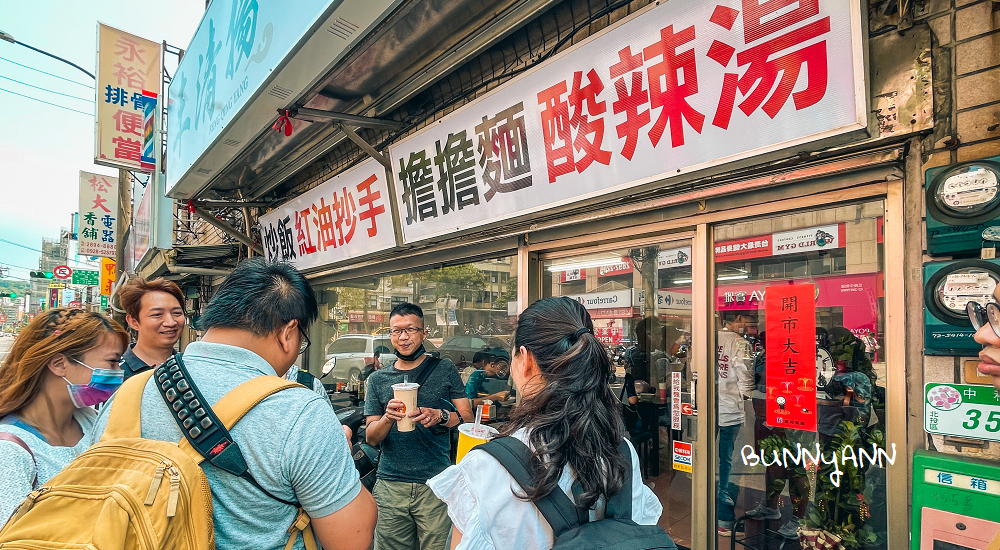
(570, 525)
(305, 378)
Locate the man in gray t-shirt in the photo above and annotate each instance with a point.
(408, 511)
(256, 326)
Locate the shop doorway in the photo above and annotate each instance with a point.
(799, 312)
(639, 297)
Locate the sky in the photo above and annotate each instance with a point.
(44, 147)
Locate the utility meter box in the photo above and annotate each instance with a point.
(955, 503)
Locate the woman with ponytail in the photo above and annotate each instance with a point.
(62, 363)
(569, 419)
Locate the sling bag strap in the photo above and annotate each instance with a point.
(432, 363)
(557, 509)
(7, 436)
(205, 428)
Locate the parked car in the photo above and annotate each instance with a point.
(461, 350)
(347, 356)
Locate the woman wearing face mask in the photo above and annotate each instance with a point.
(569, 419)
(61, 364)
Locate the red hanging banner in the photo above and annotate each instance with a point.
(790, 312)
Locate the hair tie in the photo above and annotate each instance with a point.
(580, 332)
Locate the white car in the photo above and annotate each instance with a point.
(347, 356)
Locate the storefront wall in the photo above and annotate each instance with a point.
(848, 277)
(727, 225)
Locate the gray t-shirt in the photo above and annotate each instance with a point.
(292, 442)
(416, 456)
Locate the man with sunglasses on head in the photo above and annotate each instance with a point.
(986, 321)
(409, 514)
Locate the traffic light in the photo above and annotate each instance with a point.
(41, 275)
(11, 295)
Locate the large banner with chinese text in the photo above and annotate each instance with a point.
(790, 318)
(127, 66)
(344, 217)
(98, 215)
(678, 88)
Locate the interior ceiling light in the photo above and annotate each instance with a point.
(582, 264)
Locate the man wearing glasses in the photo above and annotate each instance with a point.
(986, 321)
(304, 377)
(255, 326)
(409, 514)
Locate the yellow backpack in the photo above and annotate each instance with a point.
(126, 492)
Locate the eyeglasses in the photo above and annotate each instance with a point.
(981, 315)
(305, 343)
(411, 331)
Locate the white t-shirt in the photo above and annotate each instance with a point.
(478, 492)
(734, 377)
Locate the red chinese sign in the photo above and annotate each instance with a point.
(345, 217)
(620, 268)
(681, 86)
(127, 66)
(790, 313)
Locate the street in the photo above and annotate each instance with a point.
(6, 342)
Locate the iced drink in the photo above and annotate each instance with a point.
(470, 435)
(407, 393)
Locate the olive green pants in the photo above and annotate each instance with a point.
(410, 517)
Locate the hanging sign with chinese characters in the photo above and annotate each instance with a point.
(345, 217)
(98, 215)
(962, 410)
(108, 276)
(127, 67)
(790, 313)
(680, 87)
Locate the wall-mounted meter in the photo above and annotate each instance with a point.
(962, 200)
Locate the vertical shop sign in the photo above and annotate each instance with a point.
(98, 215)
(108, 276)
(680, 87)
(127, 68)
(675, 400)
(790, 311)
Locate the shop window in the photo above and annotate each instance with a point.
(457, 305)
(799, 365)
(639, 299)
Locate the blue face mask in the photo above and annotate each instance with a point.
(103, 384)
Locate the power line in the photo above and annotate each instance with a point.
(40, 252)
(18, 267)
(46, 89)
(50, 74)
(46, 102)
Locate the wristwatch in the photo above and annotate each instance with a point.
(445, 416)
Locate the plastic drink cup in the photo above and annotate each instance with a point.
(407, 393)
(663, 392)
(470, 435)
(487, 407)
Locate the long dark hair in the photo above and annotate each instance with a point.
(573, 418)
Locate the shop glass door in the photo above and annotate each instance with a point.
(800, 379)
(639, 298)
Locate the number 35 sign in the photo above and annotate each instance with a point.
(962, 410)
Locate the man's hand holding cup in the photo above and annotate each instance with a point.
(427, 416)
(395, 410)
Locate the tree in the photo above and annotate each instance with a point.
(510, 293)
